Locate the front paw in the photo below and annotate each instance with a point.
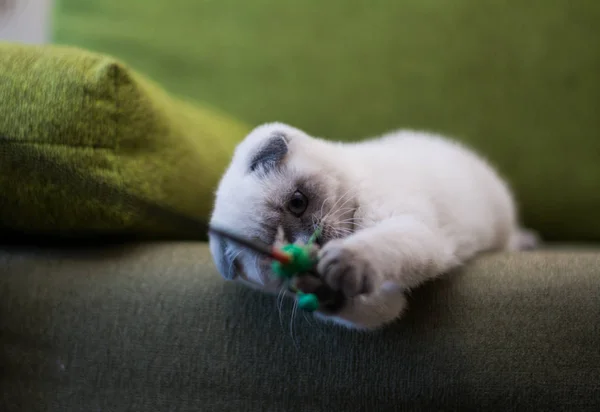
(347, 268)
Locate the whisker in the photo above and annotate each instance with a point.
(279, 303)
(325, 218)
(354, 217)
(292, 318)
(354, 225)
(333, 207)
(341, 235)
(306, 318)
(263, 275)
(343, 229)
(348, 199)
(316, 325)
(323, 205)
(351, 220)
(341, 210)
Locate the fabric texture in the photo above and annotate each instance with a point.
(518, 81)
(80, 131)
(154, 328)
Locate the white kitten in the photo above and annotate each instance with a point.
(395, 212)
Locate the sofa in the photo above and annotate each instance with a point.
(152, 327)
(106, 304)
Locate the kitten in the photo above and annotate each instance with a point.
(395, 211)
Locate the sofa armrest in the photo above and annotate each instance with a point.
(154, 328)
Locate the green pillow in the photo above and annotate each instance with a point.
(80, 133)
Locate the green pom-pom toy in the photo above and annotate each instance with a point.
(308, 301)
(301, 260)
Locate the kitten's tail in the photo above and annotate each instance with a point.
(525, 239)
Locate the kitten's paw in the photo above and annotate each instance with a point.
(369, 312)
(347, 268)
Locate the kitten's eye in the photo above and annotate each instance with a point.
(297, 204)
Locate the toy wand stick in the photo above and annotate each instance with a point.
(255, 245)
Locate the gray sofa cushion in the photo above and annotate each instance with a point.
(154, 328)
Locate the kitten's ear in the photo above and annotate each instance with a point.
(221, 257)
(270, 153)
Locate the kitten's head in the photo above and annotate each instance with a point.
(280, 180)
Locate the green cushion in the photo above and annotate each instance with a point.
(518, 81)
(154, 328)
(80, 132)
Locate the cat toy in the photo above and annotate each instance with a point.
(292, 262)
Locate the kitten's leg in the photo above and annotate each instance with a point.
(400, 250)
(376, 265)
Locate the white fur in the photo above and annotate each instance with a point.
(425, 205)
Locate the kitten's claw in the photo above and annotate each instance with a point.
(346, 269)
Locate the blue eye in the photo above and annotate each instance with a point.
(297, 204)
